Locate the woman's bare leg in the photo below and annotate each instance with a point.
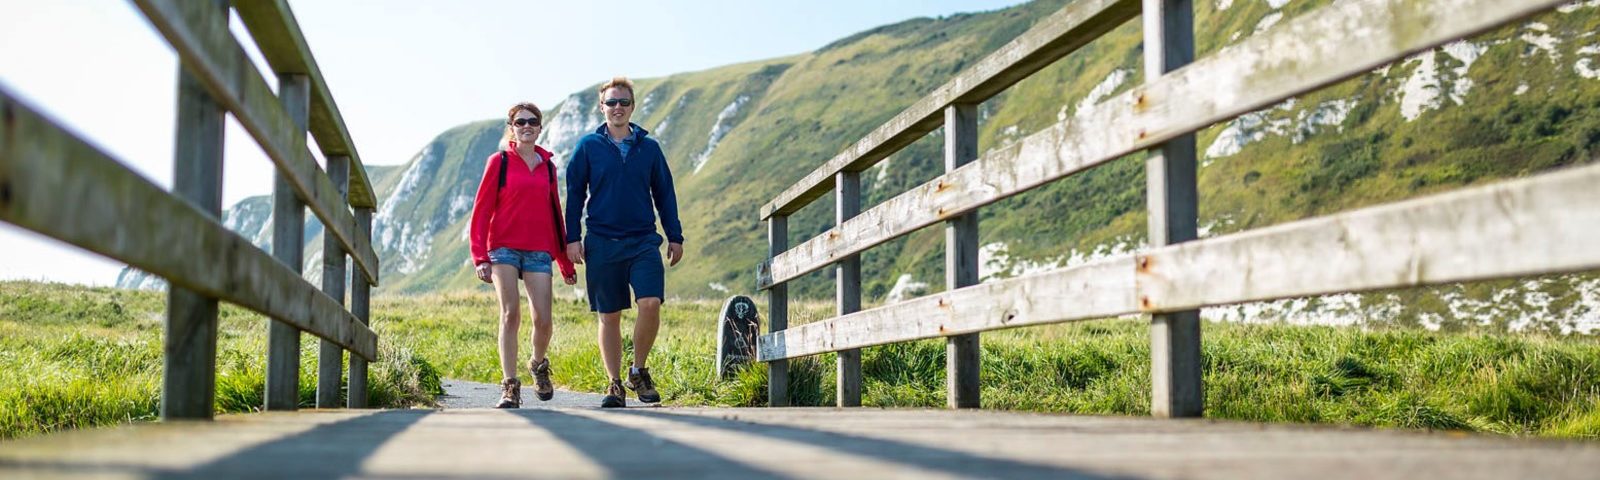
(539, 298)
(505, 287)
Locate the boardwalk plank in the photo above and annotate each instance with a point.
(810, 442)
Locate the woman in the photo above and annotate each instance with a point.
(516, 234)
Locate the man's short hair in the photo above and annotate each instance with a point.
(617, 82)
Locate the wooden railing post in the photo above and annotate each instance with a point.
(360, 296)
(847, 196)
(189, 372)
(777, 313)
(1175, 372)
(288, 228)
(330, 356)
(962, 352)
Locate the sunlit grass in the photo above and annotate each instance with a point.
(73, 357)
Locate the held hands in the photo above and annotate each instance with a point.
(570, 280)
(483, 272)
(575, 254)
(674, 253)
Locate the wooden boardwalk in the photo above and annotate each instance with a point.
(770, 443)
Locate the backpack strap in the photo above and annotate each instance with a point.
(502, 184)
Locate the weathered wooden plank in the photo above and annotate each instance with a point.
(962, 352)
(1336, 42)
(56, 184)
(1051, 39)
(215, 57)
(777, 314)
(847, 202)
(189, 362)
(1173, 202)
(288, 228)
(330, 358)
(360, 306)
(791, 443)
(277, 34)
(1532, 226)
(1095, 290)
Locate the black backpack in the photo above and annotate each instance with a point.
(561, 230)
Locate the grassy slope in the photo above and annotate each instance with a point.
(74, 356)
(1397, 377)
(806, 108)
(836, 95)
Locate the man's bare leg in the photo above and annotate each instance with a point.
(644, 330)
(611, 343)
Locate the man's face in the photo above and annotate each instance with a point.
(617, 106)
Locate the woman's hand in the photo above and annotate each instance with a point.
(483, 272)
(570, 280)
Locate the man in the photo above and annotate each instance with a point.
(621, 172)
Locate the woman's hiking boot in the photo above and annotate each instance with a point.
(615, 397)
(510, 393)
(643, 386)
(541, 379)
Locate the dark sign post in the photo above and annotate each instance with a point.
(737, 329)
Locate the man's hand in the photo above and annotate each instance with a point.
(575, 253)
(483, 272)
(674, 253)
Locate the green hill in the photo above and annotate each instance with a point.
(1510, 102)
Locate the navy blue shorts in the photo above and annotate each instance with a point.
(615, 264)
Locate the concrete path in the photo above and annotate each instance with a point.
(761, 443)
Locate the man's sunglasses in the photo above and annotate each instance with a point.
(612, 102)
(530, 121)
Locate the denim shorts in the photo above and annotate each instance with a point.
(525, 261)
(618, 264)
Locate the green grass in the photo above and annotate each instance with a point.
(1400, 377)
(75, 356)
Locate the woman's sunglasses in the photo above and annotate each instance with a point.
(526, 122)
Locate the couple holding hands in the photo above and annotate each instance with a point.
(519, 232)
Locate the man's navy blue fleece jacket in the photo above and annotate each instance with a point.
(619, 191)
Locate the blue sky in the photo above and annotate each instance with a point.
(401, 71)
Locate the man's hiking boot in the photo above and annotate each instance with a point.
(615, 397)
(541, 379)
(510, 393)
(642, 385)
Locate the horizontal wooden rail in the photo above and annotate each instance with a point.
(56, 184)
(216, 58)
(1538, 225)
(278, 35)
(1336, 42)
(1053, 38)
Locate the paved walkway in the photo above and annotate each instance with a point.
(758, 443)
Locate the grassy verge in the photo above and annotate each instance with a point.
(1522, 384)
(73, 356)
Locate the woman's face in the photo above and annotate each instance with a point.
(525, 127)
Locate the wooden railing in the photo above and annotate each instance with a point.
(1537, 225)
(57, 184)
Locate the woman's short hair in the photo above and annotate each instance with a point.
(511, 115)
(616, 82)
